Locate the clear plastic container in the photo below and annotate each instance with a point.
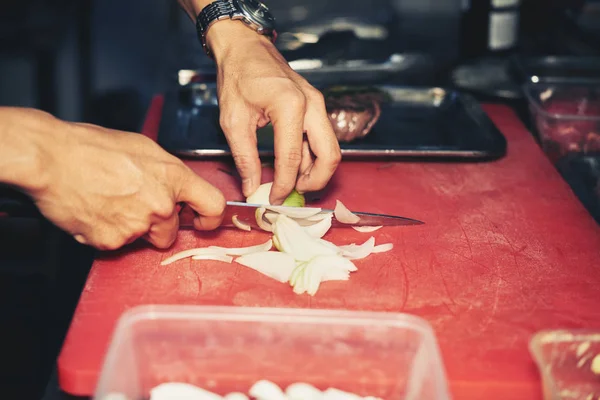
(568, 364)
(567, 117)
(225, 349)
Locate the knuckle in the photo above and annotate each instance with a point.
(228, 121)
(244, 162)
(292, 96)
(291, 159)
(315, 96)
(164, 208)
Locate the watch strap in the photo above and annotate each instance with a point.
(215, 11)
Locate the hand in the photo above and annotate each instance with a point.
(108, 188)
(257, 86)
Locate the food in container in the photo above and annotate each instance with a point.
(567, 117)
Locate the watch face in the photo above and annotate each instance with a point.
(258, 12)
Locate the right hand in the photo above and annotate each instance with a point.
(108, 188)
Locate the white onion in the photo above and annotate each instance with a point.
(181, 391)
(239, 224)
(212, 250)
(357, 252)
(343, 215)
(240, 251)
(274, 264)
(295, 212)
(319, 229)
(215, 257)
(367, 229)
(262, 224)
(266, 390)
(382, 248)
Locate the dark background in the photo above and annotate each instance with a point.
(101, 62)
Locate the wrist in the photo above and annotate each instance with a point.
(227, 35)
(29, 139)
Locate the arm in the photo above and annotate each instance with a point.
(256, 86)
(107, 188)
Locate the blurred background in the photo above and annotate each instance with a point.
(103, 61)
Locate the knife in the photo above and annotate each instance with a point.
(246, 214)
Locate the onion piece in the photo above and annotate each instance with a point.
(262, 224)
(275, 265)
(320, 216)
(181, 391)
(357, 252)
(261, 195)
(188, 253)
(212, 250)
(294, 240)
(336, 394)
(215, 257)
(295, 212)
(382, 248)
(236, 396)
(240, 251)
(367, 229)
(303, 391)
(266, 390)
(319, 229)
(239, 224)
(343, 215)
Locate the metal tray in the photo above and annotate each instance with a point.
(582, 173)
(416, 122)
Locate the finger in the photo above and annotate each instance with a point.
(204, 198)
(307, 159)
(287, 118)
(240, 133)
(323, 144)
(163, 233)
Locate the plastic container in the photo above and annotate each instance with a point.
(224, 349)
(567, 117)
(565, 359)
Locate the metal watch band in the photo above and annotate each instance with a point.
(215, 11)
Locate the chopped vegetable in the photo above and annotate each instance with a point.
(319, 229)
(239, 224)
(382, 248)
(357, 252)
(181, 391)
(215, 257)
(261, 390)
(295, 212)
(262, 224)
(343, 215)
(266, 390)
(273, 264)
(367, 229)
(215, 250)
(261, 197)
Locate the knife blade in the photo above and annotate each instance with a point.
(246, 212)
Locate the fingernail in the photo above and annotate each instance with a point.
(80, 239)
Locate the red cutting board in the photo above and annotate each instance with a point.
(506, 250)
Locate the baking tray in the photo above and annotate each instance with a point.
(415, 122)
(582, 173)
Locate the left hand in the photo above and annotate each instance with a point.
(256, 86)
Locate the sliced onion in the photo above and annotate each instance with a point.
(357, 252)
(367, 229)
(343, 215)
(188, 253)
(294, 240)
(240, 251)
(295, 212)
(181, 391)
(302, 391)
(275, 265)
(382, 248)
(320, 216)
(215, 257)
(262, 224)
(261, 195)
(236, 396)
(266, 390)
(319, 229)
(239, 224)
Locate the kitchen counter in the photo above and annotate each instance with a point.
(506, 250)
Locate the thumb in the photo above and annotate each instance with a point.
(205, 199)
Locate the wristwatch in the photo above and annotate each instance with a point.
(253, 13)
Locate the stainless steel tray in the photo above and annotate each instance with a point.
(415, 122)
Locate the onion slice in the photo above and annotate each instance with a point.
(343, 215)
(214, 250)
(295, 212)
(275, 265)
(181, 391)
(215, 257)
(382, 248)
(266, 390)
(239, 224)
(367, 229)
(357, 252)
(262, 224)
(319, 229)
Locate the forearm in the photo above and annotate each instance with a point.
(26, 138)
